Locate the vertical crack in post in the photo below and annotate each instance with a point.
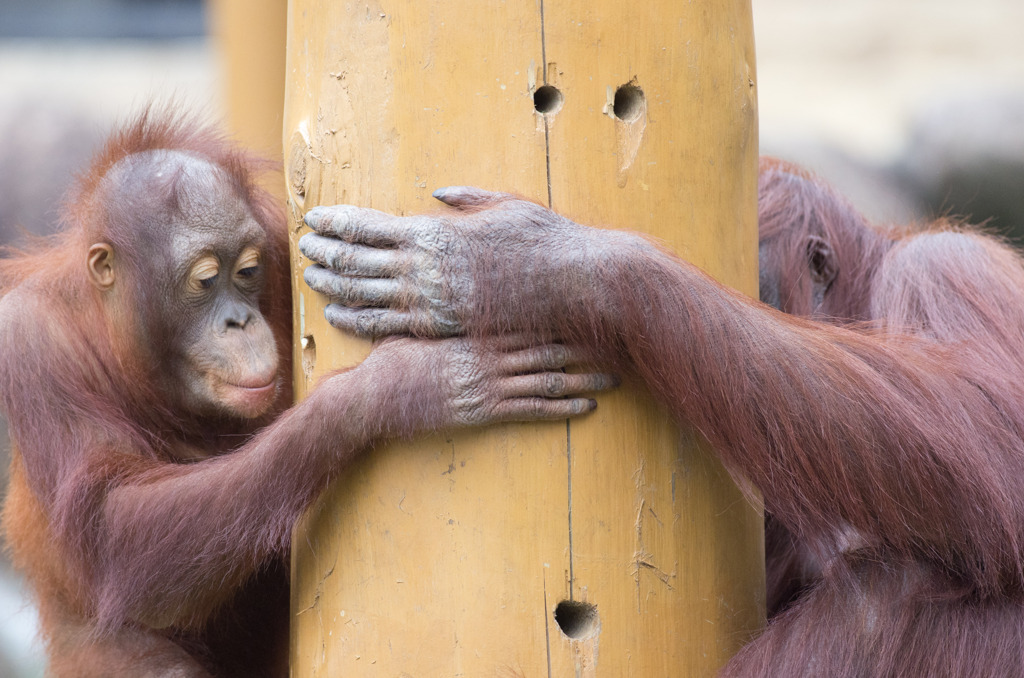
(547, 155)
(568, 454)
(547, 631)
(543, 47)
(547, 162)
(547, 124)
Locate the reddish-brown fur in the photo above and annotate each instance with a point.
(950, 611)
(892, 453)
(82, 406)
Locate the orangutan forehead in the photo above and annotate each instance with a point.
(163, 173)
(174, 197)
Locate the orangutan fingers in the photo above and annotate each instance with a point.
(351, 258)
(466, 196)
(357, 224)
(556, 384)
(512, 342)
(353, 291)
(539, 358)
(368, 323)
(534, 409)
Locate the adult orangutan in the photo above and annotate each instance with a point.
(144, 372)
(891, 453)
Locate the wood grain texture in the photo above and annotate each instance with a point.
(448, 557)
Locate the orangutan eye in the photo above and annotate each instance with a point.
(248, 263)
(204, 274)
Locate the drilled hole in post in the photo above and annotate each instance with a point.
(547, 100)
(629, 102)
(577, 620)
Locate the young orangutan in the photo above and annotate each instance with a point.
(144, 371)
(892, 455)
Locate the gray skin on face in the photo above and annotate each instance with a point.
(194, 252)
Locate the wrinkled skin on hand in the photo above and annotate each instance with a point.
(419, 275)
(475, 382)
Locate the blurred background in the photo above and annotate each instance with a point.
(913, 108)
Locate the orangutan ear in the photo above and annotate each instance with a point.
(101, 265)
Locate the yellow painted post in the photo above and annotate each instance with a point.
(615, 545)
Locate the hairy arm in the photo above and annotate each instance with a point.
(165, 543)
(912, 442)
(174, 541)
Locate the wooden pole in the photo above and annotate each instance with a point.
(615, 545)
